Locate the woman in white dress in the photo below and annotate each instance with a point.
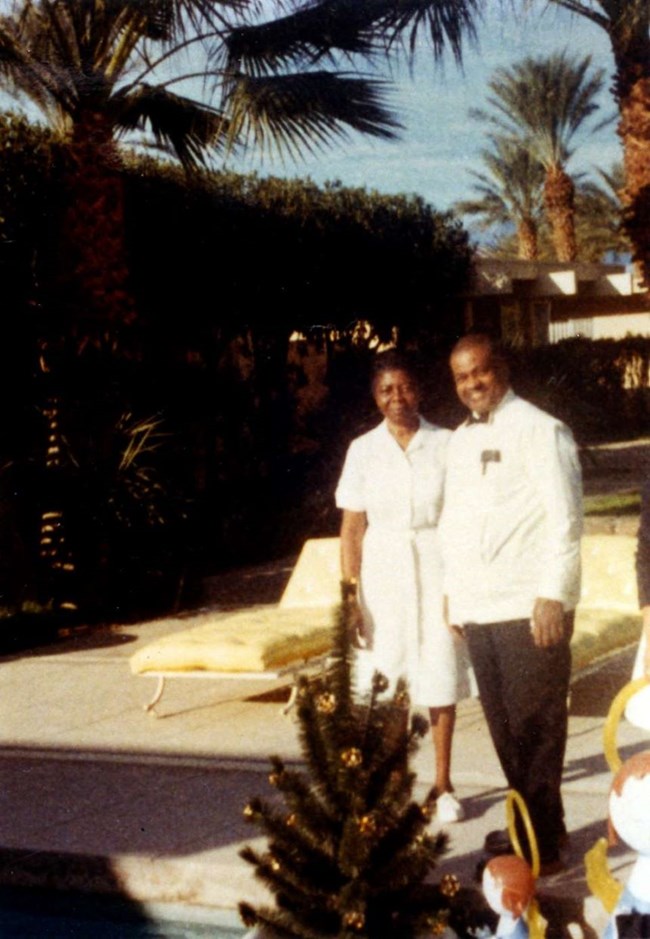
(390, 492)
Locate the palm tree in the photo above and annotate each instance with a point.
(627, 23)
(600, 228)
(598, 223)
(541, 104)
(508, 193)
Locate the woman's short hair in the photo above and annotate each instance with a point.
(391, 360)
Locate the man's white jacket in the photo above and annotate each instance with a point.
(512, 515)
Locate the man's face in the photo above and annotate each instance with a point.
(481, 381)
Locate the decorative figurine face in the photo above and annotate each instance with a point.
(508, 884)
(629, 803)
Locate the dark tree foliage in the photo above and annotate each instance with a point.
(287, 255)
(224, 269)
(598, 387)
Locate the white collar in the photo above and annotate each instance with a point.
(507, 397)
(416, 440)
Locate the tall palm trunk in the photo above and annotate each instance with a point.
(91, 275)
(559, 203)
(527, 240)
(633, 92)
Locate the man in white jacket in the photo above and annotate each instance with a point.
(510, 534)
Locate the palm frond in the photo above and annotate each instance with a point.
(308, 111)
(600, 213)
(447, 23)
(29, 67)
(490, 209)
(544, 100)
(511, 189)
(306, 35)
(164, 20)
(139, 436)
(592, 12)
(187, 127)
(352, 27)
(614, 179)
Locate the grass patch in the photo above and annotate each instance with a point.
(614, 503)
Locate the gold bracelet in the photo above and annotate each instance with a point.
(349, 589)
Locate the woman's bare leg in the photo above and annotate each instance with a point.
(442, 726)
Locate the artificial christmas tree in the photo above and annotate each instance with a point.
(349, 851)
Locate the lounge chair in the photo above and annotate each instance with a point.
(258, 643)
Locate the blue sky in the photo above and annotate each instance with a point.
(440, 143)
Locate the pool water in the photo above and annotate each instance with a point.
(38, 914)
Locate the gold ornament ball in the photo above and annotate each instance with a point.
(427, 811)
(352, 757)
(355, 920)
(326, 703)
(367, 825)
(402, 700)
(449, 885)
(291, 820)
(249, 811)
(274, 778)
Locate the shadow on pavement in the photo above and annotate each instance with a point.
(593, 692)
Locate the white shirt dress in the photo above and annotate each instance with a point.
(400, 492)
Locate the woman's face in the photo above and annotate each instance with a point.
(397, 396)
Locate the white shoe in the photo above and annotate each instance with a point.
(449, 809)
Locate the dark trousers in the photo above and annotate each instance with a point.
(523, 692)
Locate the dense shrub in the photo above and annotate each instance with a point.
(224, 268)
(599, 388)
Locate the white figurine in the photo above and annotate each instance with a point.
(509, 888)
(629, 813)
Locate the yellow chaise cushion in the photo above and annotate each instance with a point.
(268, 638)
(607, 617)
(259, 640)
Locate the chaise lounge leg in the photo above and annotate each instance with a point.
(149, 708)
(292, 697)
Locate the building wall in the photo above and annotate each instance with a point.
(612, 326)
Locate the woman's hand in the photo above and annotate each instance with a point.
(456, 630)
(353, 527)
(357, 625)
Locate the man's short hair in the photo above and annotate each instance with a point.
(482, 340)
